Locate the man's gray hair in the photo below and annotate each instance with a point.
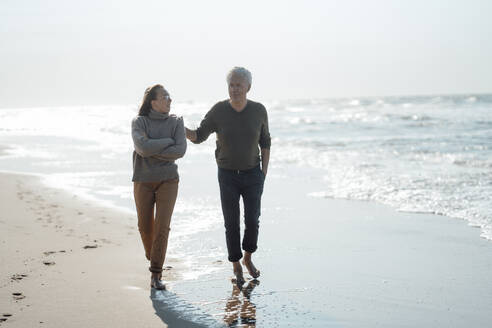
(241, 71)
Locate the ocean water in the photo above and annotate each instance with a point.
(417, 154)
(424, 154)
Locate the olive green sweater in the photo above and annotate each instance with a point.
(239, 134)
(159, 139)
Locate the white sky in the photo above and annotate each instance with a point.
(60, 52)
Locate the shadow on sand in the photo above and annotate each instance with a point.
(177, 313)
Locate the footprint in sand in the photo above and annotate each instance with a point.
(49, 253)
(48, 263)
(89, 246)
(5, 316)
(18, 296)
(18, 277)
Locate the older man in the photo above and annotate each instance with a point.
(241, 126)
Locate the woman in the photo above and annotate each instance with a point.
(159, 139)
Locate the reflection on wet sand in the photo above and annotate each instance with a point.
(239, 311)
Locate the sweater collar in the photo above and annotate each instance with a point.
(158, 116)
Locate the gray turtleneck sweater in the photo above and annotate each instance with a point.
(159, 139)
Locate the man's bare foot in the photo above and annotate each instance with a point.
(253, 271)
(238, 272)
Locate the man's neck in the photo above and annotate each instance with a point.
(238, 105)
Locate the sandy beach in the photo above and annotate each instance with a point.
(66, 262)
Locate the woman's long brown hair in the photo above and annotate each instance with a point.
(149, 95)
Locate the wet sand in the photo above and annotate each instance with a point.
(338, 263)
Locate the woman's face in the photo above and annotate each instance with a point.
(238, 87)
(162, 102)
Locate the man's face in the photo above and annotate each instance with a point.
(238, 87)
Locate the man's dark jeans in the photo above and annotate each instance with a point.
(249, 185)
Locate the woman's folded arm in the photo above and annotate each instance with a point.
(178, 149)
(144, 146)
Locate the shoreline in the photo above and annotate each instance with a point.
(360, 264)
